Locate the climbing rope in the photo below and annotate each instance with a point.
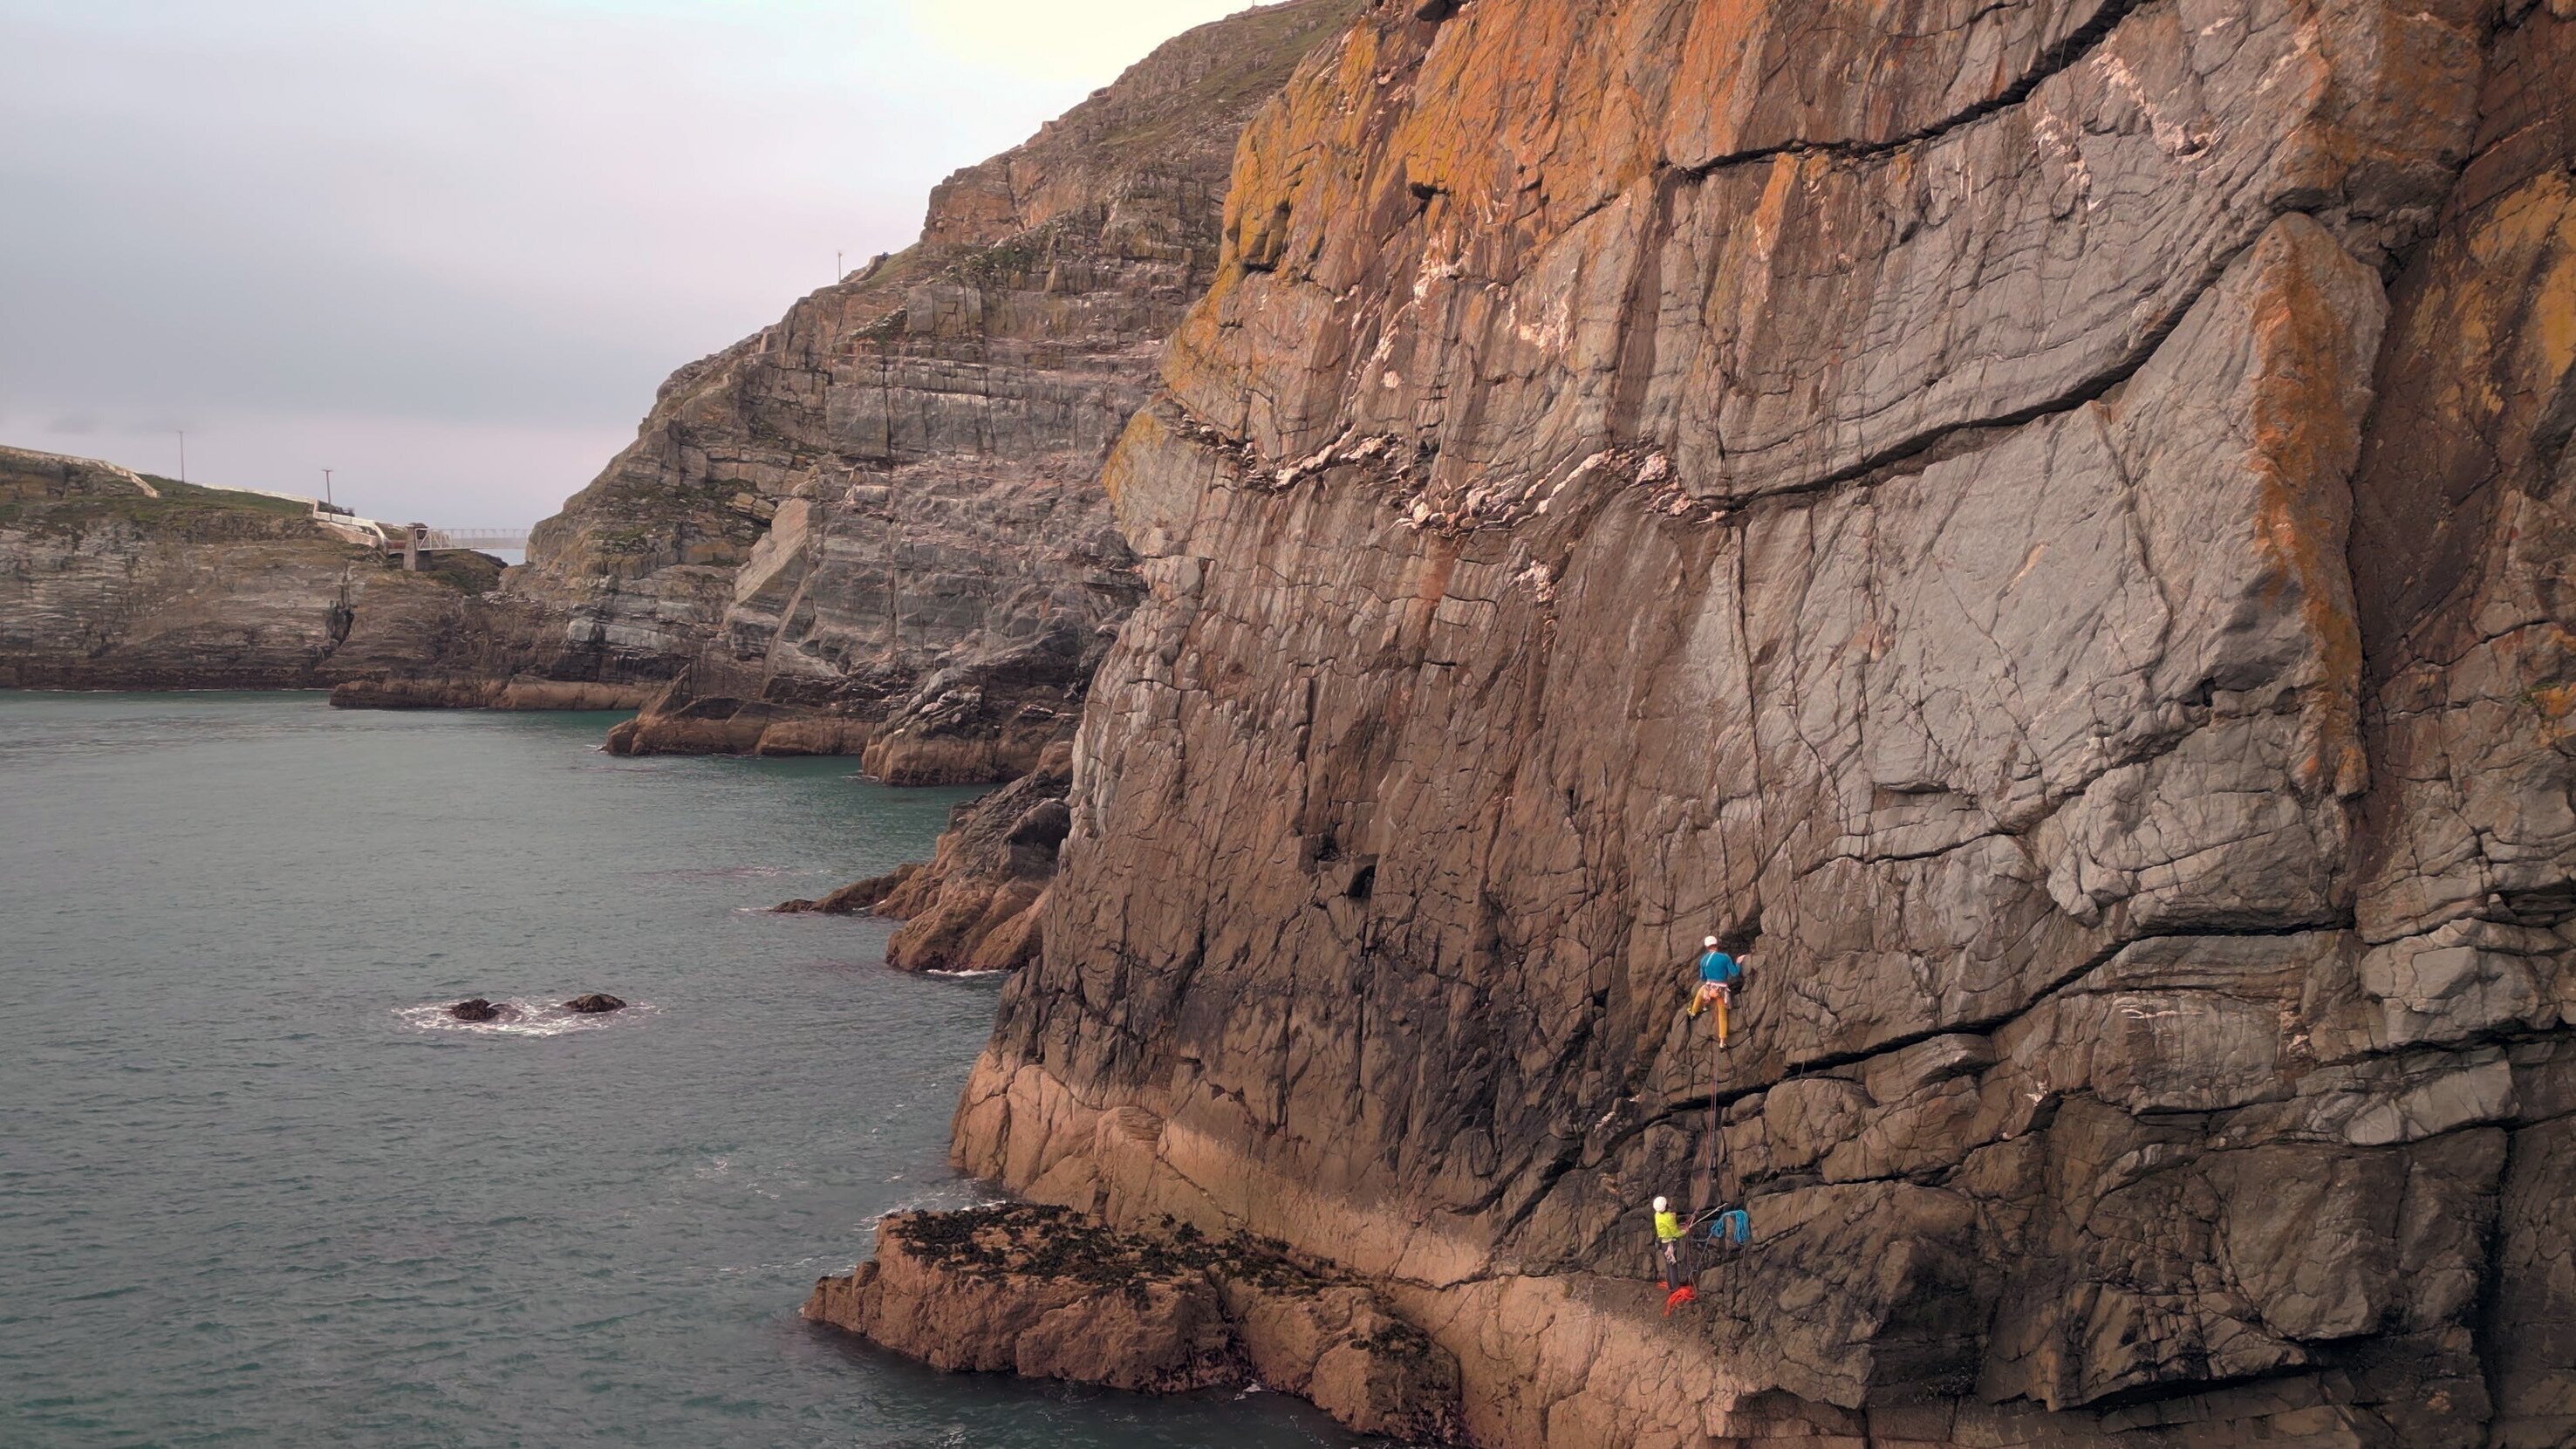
(1731, 1226)
(1707, 1187)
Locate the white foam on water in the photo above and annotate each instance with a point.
(528, 1018)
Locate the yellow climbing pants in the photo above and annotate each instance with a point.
(1712, 996)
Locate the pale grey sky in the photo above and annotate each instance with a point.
(448, 248)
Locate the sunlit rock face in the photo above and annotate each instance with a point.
(878, 525)
(2046, 523)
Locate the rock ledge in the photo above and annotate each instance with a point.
(1049, 1293)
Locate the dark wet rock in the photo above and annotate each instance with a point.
(596, 1003)
(392, 691)
(476, 1009)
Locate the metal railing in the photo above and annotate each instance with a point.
(482, 539)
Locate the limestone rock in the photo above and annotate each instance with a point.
(978, 904)
(32, 477)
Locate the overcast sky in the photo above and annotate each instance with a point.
(448, 248)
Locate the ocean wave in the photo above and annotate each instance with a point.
(527, 1018)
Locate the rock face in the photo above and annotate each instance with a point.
(2051, 521)
(1045, 1293)
(876, 527)
(979, 904)
(110, 580)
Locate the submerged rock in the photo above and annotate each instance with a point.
(476, 1009)
(1049, 1293)
(595, 1004)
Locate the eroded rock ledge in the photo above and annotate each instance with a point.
(1048, 1293)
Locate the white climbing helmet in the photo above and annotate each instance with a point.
(1709, 941)
(1662, 1203)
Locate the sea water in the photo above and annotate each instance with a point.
(256, 1189)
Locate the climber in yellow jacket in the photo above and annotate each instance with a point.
(1668, 1241)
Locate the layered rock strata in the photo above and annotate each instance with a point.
(1043, 1293)
(876, 527)
(111, 580)
(2047, 523)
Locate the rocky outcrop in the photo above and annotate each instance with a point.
(597, 1003)
(2049, 520)
(31, 478)
(110, 580)
(1044, 1293)
(979, 904)
(876, 528)
(857, 898)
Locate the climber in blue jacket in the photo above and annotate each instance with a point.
(1719, 976)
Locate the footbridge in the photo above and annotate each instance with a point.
(481, 539)
(410, 540)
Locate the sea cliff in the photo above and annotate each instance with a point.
(112, 580)
(2045, 525)
(876, 527)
